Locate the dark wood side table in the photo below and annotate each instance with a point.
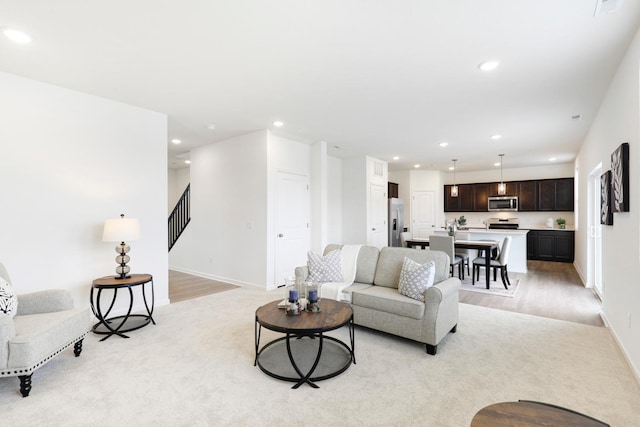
(117, 325)
(531, 414)
(312, 355)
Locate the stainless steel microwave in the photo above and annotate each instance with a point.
(503, 203)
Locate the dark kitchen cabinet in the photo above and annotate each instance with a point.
(533, 195)
(480, 197)
(555, 194)
(564, 194)
(392, 190)
(551, 245)
(512, 189)
(462, 203)
(527, 196)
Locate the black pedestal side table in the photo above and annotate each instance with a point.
(117, 325)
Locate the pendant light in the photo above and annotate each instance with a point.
(454, 187)
(502, 188)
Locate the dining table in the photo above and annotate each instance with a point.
(483, 245)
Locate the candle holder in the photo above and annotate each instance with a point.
(293, 307)
(313, 296)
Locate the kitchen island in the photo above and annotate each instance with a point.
(518, 252)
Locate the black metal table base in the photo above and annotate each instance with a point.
(128, 322)
(310, 357)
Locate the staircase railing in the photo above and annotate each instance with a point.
(180, 217)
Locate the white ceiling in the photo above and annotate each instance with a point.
(383, 78)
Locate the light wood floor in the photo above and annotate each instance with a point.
(184, 286)
(549, 289)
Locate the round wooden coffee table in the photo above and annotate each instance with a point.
(527, 413)
(312, 355)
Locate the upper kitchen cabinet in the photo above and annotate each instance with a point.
(512, 189)
(555, 194)
(527, 196)
(392, 190)
(462, 203)
(480, 198)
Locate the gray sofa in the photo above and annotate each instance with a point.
(377, 304)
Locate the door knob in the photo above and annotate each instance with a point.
(280, 235)
(373, 229)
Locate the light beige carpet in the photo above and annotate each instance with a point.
(195, 368)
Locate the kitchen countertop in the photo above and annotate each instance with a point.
(499, 231)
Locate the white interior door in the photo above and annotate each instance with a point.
(423, 214)
(595, 231)
(378, 235)
(292, 224)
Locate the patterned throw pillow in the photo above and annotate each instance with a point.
(416, 278)
(326, 268)
(8, 299)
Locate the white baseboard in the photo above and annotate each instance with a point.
(214, 277)
(621, 348)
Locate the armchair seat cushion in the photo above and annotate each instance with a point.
(36, 335)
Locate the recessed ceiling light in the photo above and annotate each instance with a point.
(444, 144)
(489, 65)
(188, 162)
(176, 141)
(451, 168)
(211, 127)
(496, 137)
(552, 159)
(278, 123)
(416, 166)
(396, 158)
(16, 36)
(496, 164)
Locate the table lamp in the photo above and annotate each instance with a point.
(120, 230)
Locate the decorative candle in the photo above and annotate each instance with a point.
(313, 295)
(293, 295)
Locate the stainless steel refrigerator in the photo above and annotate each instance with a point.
(396, 221)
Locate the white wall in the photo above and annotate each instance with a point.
(231, 236)
(553, 170)
(178, 179)
(617, 121)
(68, 161)
(226, 238)
(354, 200)
(334, 200)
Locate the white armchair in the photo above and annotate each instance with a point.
(46, 323)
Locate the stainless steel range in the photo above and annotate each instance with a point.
(503, 223)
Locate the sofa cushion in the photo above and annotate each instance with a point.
(388, 300)
(391, 259)
(8, 298)
(366, 264)
(416, 278)
(326, 268)
(39, 336)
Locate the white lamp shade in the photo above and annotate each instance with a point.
(121, 230)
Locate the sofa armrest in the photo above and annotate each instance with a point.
(44, 302)
(302, 273)
(7, 332)
(441, 291)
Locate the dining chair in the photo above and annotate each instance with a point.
(465, 254)
(446, 245)
(500, 263)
